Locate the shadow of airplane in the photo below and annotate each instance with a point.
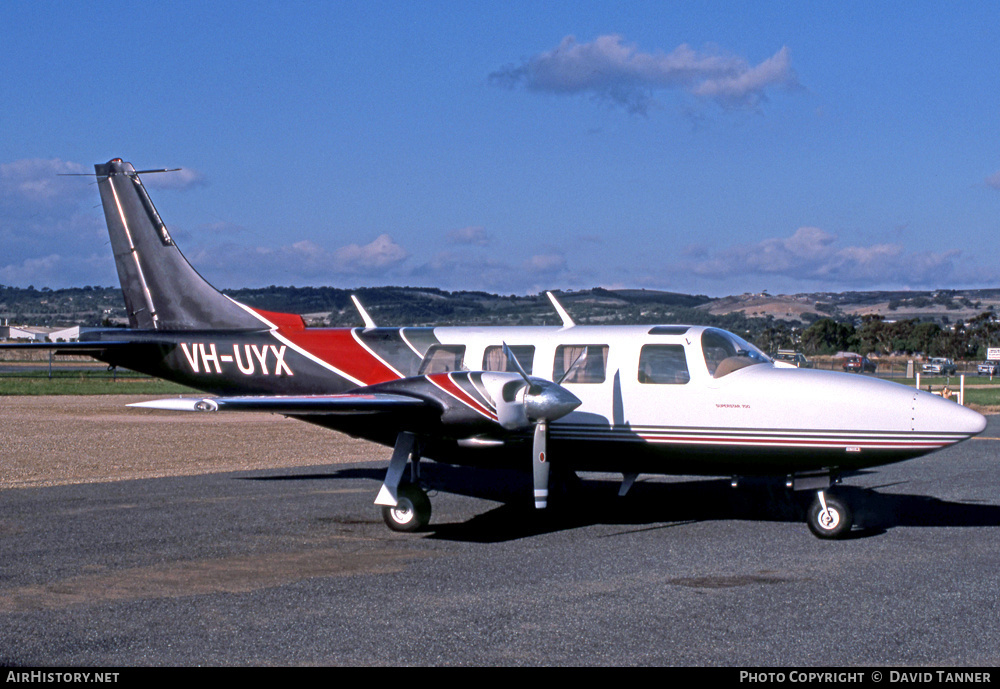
(652, 504)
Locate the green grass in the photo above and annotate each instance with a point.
(951, 381)
(979, 390)
(87, 383)
(983, 397)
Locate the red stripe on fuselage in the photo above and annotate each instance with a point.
(285, 321)
(818, 442)
(338, 348)
(445, 382)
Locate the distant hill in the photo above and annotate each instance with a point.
(95, 306)
(940, 306)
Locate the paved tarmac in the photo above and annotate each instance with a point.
(294, 567)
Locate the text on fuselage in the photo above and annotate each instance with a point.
(249, 358)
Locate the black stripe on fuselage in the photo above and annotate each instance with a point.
(232, 363)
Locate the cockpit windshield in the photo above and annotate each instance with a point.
(725, 352)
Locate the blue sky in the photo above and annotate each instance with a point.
(512, 147)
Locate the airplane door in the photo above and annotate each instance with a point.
(654, 390)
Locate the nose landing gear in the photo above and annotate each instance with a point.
(829, 516)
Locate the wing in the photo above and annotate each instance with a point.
(305, 405)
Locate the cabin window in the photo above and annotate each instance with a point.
(494, 358)
(663, 365)
(580, 364)
(725, 353)
(387, 344)
(442, 359)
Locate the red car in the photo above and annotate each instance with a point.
(859, 364)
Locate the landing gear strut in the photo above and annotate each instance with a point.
(829, 516)
(405, 506)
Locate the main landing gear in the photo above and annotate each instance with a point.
(405, 506)
(412, 511)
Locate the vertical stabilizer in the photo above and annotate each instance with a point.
(162, 291)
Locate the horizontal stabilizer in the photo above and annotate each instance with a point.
(81, 348)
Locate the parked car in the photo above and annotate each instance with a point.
(940, 367)
(988, 368)
(859, 364)
(797, 359)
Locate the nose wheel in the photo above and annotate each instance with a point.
(829, 516)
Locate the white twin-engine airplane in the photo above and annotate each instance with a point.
(668, 399)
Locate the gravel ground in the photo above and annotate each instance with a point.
(68, 439)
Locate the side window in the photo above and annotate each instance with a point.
(442, 359)
(663, 365)
(580, 363)
(495, 360)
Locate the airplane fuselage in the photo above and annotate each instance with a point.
(654, 399)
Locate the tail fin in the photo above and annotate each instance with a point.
(162, 291)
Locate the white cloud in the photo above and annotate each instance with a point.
(37, 183)
(812, 254)
(58, 271)
(473, 234)
(748, 86)
(302, 262)
(465, 269)
(379, 254)
(545, 264)
(617, 72)
(44, 218)
(31, 270)
(223, 227)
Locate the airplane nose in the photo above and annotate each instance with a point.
(932, 413)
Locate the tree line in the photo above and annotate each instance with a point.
(391, 306)
(875, 335)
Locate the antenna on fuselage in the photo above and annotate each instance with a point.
(563, 314)
(369, 323)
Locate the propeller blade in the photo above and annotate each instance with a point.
(512, 360)
(572, 368)
(540, 465)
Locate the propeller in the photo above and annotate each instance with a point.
(540, 465)
(528, 401)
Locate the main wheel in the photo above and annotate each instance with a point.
(412, 511)
(829, 516)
